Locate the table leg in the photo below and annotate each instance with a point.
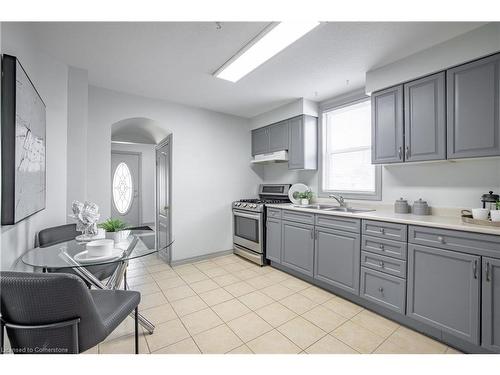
(86, 275)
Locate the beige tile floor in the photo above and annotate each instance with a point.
(229, 305)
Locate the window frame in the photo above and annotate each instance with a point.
(328, 106)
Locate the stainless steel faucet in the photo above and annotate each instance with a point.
(338, 198)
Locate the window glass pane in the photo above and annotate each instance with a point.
(351, 127)
(122, 188)
(351, 171)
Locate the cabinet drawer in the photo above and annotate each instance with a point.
(338, 222)
(385, 290)
(300, 217)
(274, 213)
(385, 247)
(391, 231)
(466, 242)
(384, 264)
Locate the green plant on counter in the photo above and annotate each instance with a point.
(113, 225)
(497, 204)
(306, 195)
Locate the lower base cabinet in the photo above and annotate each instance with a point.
(383, 289)
(298, 247)
(273, 240)
(337, 257)
(491, 304)
(444, 290)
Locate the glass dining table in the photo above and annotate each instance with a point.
(71, 256)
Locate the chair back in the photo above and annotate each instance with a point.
(54, 235)
(31, 299)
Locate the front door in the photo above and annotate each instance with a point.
(125, 187)
(163, 197)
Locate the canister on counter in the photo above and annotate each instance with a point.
(401, 206)
(420, 207)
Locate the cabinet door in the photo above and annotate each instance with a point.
(387, 126)
(425, 119)
(491, 304)
(273, 240)
(260, 141)
(278, 136)
(298, 247)
(337, 258)
(296, 143)
(443, 290)
(473, 102)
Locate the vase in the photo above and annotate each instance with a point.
(118, 236)
(304, 201)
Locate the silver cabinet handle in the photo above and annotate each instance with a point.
(381, 290)
(312, 234)
(381, 247)
(407, 152)
(382, 230)
(381, 264)
(441, 239)
(488, 277)
(474, 269)
(400, 153)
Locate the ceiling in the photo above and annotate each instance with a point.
(175, 60)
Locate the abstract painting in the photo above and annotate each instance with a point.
(23, 144)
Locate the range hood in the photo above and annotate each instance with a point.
(273, 157)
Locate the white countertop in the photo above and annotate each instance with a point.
(445, 222)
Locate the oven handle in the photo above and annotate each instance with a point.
(248, 216)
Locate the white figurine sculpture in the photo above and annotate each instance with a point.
(86, 216)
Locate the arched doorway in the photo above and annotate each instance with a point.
(141, 176)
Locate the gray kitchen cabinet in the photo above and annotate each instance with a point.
(337, 258)
(278, 136)
(443, 290)
(425, 119)
(387, 126)
(260, 141)
(273, 240)
(298, 247)
(303, 143)
(491, 304)
(473, 104)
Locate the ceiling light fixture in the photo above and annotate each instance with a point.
(275, 38)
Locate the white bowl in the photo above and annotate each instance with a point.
(100, 248)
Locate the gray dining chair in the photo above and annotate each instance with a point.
(57, 313)
(55, 235)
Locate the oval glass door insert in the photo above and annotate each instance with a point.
(122, 188)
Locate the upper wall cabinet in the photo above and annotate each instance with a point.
(387, 126)
(270, 138)
(303, 143)
(425, 119)
(298, 135)
(473, 93)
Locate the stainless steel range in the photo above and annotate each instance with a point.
(249, 221)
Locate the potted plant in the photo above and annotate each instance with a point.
(115, 229)
(305, 197)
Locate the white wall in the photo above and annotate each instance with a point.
(51, 80)
(479, 42)
(147, 177)
(211, 153)
(77, 136)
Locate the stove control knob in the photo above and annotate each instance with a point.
(244, 205)
(236, 204)
(254, 205)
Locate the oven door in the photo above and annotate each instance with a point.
(247, 230)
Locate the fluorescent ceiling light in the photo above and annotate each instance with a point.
(266, 45)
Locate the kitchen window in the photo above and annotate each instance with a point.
(346, 167)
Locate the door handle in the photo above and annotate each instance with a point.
(488, 277)
(407, 152)
(474, 269)
(400, 152)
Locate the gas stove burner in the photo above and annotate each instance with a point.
(264, 201)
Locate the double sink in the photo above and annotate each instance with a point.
(329, 207)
